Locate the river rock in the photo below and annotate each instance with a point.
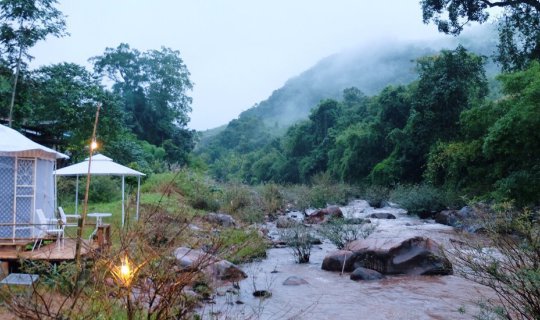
(411, 256)
(209, 264)
(334, 261)
(447, 217)
(323, 215)
(285, 222)
(465, 219)
(357, 221)
(382, 215)
(294, 281)
(365, 274)
(221, 219)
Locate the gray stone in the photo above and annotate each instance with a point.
(365, 274)
(285, 222)
(208, 264)
(294, 281)
(334, 261)
(409, 256)
(382, 215)
(221, 219)
(324, 215)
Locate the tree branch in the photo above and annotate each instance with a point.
(533, 3)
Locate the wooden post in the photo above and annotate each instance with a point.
(82, 219)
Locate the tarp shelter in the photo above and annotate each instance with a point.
(102, 166)
(26, 183)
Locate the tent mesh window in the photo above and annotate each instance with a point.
(7, 177)
(25, 196)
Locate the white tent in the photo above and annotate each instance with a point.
(26, 183)
(104, 166)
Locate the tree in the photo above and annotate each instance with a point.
(62, 106)
(153, 86)
(519, 25)
(449, 83)
(22, 24)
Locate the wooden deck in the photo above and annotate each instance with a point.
(52, 251)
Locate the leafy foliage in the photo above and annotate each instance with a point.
(339, 232)
(419, 199)
(153, 86)
(519, 25)
(510, 265)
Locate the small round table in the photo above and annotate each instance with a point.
(99, 220)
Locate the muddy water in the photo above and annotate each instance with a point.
(328, 295)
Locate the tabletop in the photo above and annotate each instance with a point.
(20, 279)
(99, 214)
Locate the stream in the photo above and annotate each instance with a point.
(329, 295)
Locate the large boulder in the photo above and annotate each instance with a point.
(210, 265)
(221, 219)
(465, 219)
(448, 217)
(324, 215)
(365, 274)
(411, 256)
(334, 261)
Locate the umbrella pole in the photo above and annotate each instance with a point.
(138, 195)
(77, 196)
(123, 193)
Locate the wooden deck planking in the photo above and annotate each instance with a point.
(51, 251)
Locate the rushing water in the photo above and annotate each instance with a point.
(328, 295)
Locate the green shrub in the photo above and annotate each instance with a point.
(419, 199)
(272, 198)
(243, 245)
(340, 233)
(510, 265)
(103, 189)
(242, 202)
(375, 195)
(299, 240)
(321, 192)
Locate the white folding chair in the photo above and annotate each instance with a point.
(64, 218)
(46, 227)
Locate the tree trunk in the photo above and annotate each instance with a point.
(13, 92)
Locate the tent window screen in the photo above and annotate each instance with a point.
(7, 177)
(24, 195)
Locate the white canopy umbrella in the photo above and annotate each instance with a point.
(102, 166)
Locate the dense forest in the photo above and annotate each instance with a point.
(444, 119)
(440, 129)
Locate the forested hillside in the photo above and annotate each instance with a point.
(440, 120)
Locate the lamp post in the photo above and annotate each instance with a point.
(82, 219)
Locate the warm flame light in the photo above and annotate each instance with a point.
(124, 273)
(125, 270)
(93, 145)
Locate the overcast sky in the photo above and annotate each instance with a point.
(238, 51)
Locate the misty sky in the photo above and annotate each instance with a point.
(238, 51)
